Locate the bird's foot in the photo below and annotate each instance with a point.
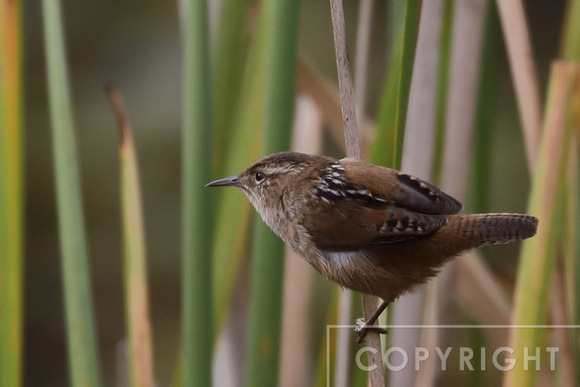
(363, 328)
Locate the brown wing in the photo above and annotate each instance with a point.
(401, 189)
(363, 205)
(350, 226)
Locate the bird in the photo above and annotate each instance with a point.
(371, 229)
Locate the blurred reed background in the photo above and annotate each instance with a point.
(231, 91)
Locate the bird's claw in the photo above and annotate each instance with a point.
(362, 328)
(360, 323)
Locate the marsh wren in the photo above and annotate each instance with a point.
(368, 228)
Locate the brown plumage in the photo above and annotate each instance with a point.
(368, 228)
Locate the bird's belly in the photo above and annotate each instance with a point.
(353, 270)
(359, 271)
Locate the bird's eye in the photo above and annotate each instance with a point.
(260, 176)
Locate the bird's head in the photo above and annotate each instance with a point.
(266, 181)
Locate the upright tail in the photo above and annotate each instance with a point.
(491, 229)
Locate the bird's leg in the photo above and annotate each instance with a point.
(363, 326)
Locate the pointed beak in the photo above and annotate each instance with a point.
(228, 181)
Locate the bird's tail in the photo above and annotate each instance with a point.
(491, 229)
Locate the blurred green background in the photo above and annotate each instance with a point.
(136, 47)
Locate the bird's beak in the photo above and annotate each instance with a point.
(228, 181)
